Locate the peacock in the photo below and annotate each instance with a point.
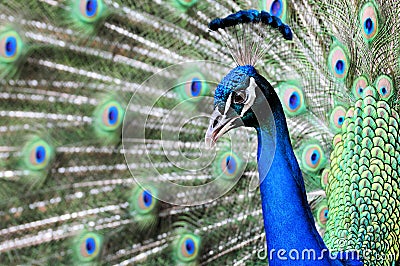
(105, 132)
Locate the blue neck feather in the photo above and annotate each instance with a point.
(288, 221)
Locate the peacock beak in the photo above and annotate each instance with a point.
(219, 125)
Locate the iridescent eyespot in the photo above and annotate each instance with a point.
(276, 8)
(90, 7)
(359, 86)
(312, 158)
(325, 178)
(195, 87)
(338, 61)
(292, 98)
(10, 46)
(89, 10)
(188, 247)
(192, 87)
(384, 85)
(146, 198)
(323, 213)
(369, 21)
(337, 117)
(228, 165)
(143, 201)
(38, 154)
(88, 246)
(110, 115)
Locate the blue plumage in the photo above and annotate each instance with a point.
(236, 79)
(284, 177)
(91, 8)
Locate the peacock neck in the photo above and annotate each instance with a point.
(288, 221)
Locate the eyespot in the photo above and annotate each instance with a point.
(88, 246)
(146, 201)
(359, 86)
(293, 99)
(193, 87)
(323, 213)
(89, 10)
(143, 201)
(146, 198)
(91, 7)
(313, 158)
(369, 21)
(10, 46)
(240, 97)
(337, 118)
(276, 8)
(188, 247)
(338, 61)
(325, 178)
(384, 85)
(229, 165)
(110, 115)
(38, 154)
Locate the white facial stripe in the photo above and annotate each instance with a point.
(228, 104)
(252, 96)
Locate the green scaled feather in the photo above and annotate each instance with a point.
(363, 180)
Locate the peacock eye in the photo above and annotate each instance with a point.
(240, 97)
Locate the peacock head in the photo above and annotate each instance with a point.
(239, 97)
(243, 97)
